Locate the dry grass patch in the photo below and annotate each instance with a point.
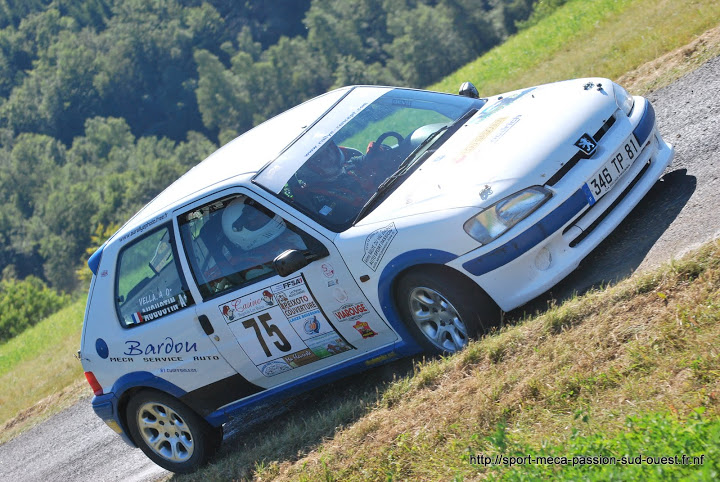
(648, 344)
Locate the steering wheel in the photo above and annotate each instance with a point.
(387, 134)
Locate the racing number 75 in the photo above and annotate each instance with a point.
(270, 330)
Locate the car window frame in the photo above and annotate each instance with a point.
(315, 247)
(178, 265)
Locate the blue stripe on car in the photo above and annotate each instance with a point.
(527, 240)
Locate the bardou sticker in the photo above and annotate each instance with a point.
(281, 327)
(376, 244)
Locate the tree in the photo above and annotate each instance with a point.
(223, 98)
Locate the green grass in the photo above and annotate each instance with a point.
(40, 362)
(627, 370)
(587, 38)
(691, 446)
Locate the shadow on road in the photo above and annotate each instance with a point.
(619, 255)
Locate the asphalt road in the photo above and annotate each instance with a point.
(679, 213)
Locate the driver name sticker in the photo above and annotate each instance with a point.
(376, 244)
(159, 308)
(281, 327)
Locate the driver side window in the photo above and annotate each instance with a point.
(231, 242)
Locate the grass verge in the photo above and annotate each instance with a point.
(39, 374)
(626, 370)
(606, 38)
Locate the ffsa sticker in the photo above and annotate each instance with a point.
(376, 244)
(281, 327)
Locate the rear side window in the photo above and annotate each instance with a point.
(149, 283)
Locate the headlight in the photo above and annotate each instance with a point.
(623, 99)
(503, 215)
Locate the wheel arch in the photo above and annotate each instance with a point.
(130, 384)
(421, 259)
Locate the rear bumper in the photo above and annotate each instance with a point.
(106, 407)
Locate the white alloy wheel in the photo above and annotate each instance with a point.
(437, 319)
(165, 432)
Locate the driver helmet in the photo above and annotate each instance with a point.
(247, 226)
(328, 161)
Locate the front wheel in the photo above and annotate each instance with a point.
(443, 310)
(170, 433)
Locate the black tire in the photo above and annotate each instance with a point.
(443, 310)
(170, 433)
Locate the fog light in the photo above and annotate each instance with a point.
(543, 259)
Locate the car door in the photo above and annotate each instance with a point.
(155, 330)
(273, 329)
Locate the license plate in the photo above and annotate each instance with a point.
(607, 176)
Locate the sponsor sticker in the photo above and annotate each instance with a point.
(327, 345)
(247, 305)
(376, 244)
(364, 329)
(281, 327)
(300, 358)
(274, 367)
(327, 270)
(350, 312)
(340, 294)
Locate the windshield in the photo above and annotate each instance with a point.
(337, 165)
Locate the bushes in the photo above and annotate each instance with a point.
(24, 303)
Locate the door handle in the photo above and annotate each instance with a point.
(206, 326)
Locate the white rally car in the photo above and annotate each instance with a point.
(366, 224)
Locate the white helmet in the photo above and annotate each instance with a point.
(248, 227)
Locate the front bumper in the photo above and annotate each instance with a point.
(551, 243)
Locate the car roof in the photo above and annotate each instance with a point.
(241, 157)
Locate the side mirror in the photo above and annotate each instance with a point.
(467, 89)
(289, 262)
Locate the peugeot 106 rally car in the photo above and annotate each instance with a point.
(366, 224)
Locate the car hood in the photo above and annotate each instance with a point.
(516, 140)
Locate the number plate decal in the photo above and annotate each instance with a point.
(607, 176)
(282, 327)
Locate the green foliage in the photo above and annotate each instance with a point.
(651, 436)
(103, 103)
(24, 303)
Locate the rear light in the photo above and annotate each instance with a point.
(96, 388)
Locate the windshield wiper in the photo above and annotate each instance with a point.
(415, 156)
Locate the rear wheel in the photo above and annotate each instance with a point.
(170, 433)
(443, 310)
